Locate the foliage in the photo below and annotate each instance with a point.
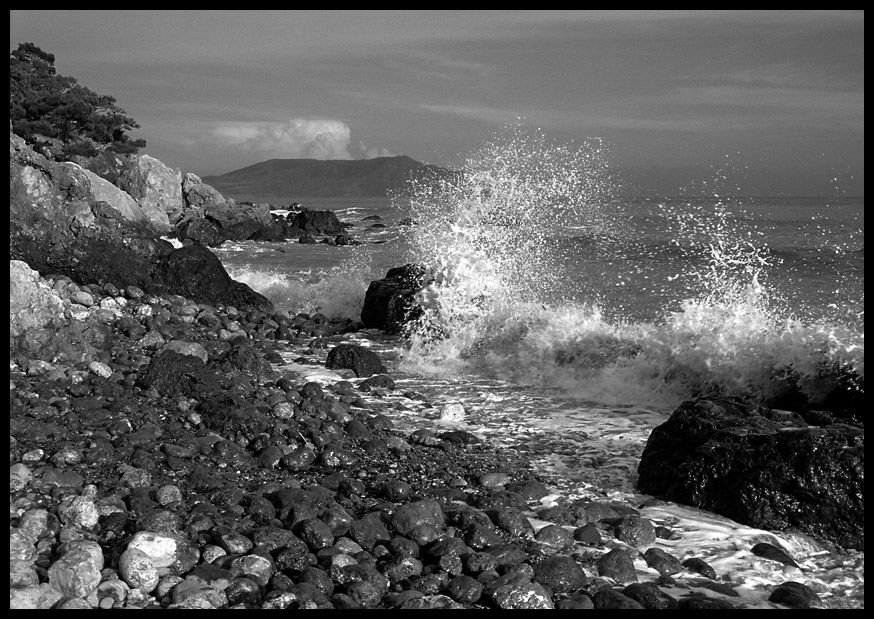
(59, 116)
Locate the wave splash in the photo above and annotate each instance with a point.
(338, 292)
(507, 299)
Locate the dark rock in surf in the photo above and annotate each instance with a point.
(362, 361)
(196, 273)
(308, 221)
(795, 595)
(771, 552)
(390, 302)
(760, 467)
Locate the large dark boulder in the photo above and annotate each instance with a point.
(362, 361)
(195, 272)
(762, 467)
(308, 221)
(390, 303)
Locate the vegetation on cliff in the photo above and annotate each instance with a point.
(60, 117)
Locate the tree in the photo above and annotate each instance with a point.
(58, 115)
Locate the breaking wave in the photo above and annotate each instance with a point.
(513, 300)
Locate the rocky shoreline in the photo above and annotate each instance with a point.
(163, 454)
(174, 466)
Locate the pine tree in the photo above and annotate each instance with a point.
(58, 115)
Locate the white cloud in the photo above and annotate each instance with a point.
(296, 138)
(373, 152)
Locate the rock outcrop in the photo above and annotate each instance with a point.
(390, 303)
(308, 221)
(157, 187)
(57, 225)
(762, 467)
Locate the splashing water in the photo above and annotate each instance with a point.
(338, 292)
(511, 296)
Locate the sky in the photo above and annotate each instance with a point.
(750, 102)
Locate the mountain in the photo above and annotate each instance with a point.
(293, 178)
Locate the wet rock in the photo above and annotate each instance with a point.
(390, 303)
(608, 598)
(424, 602)
(555, 536)
(362, 361)
(697, 602)
(662, 562)
(316, 533)
(588, 534)
(617, 565)
(380, 381)
(464, 589)
(772, 553)
(578, 601)
(739, 460)
(523, 596)
(369, 531)
(530, 490)
(407, 517)
(649, 596)
(694, 564)
(512, 521)
(635, 531)
(256, 567)
(560, 573)
(794, 595)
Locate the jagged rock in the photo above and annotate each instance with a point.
(308, 221)
(760, 467)
(57, 227)
(390, 302)
(157, 188)
(226, 221)
(198, 195)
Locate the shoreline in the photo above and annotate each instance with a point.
(275, 492)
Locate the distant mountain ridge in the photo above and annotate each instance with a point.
(290, 178)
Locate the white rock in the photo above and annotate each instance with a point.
(101, 369)
(161, 549)
(138, 570)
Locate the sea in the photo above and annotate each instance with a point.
(568, 320)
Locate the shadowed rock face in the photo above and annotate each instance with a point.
(761, 467)
(57, 226)
(390, 302)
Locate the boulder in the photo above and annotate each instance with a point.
(195, 272)
(38, 328)
(308, 221)
(390, 303)
(762, 467)
(198, 195)
(120, 201)
(33, 304)
(362, 361)
(217, 223)
(157, 187)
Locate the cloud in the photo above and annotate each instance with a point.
(296, 138)
(373, 152)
